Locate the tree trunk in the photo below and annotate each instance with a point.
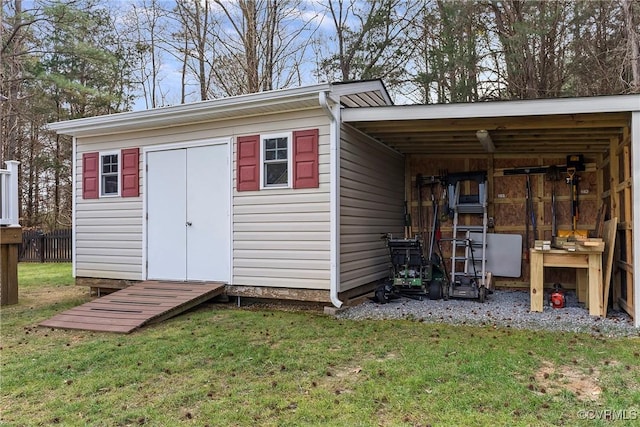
(633, 45)
(250, 40)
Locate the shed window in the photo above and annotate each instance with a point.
(283, 160)
(109, 174)
(276, 158)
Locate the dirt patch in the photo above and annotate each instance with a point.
(581, 381)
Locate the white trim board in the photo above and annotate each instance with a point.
(531, 107)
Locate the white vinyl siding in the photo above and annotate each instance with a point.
(108, 230)
(281, 235)
(371, 204)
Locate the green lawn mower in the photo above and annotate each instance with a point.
(411, 274)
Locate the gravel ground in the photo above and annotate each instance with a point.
(502, 308)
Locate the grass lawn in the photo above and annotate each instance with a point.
(219, 365)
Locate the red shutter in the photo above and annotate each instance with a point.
(248, 178)
(90, 162)
(305, 159)
(130, 172)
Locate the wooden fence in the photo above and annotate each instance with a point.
(45, 247)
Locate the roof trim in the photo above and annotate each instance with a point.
(530, 107)
(352, 88)
(174, 115)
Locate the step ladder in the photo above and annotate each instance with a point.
(469, 278)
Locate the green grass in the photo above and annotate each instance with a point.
(35, 275)
(220, 365)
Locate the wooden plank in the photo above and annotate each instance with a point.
(572, 260)
(609, 236)
(582, 283)
(83, 320)
(8, 274)
(138, 305)
(53, 323)
(595, 284)
(537, 280)
(614, 202)
(628, 219)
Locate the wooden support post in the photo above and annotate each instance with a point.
(582, 283)
(10, 239)
(537, 280)
(595, 285)
(628, 221)
(614, 201)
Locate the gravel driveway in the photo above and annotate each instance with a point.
(503, 308)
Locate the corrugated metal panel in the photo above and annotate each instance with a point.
(371, 204)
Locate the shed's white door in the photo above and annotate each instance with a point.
(188, 235)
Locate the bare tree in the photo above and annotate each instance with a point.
(14, 32)
(265, 47)
(631, 13)
(196, 33)
(370, 40)
(145, 29)
(604, 44)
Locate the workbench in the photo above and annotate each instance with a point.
(588, 275)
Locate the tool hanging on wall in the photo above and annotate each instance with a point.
(532, 212)
(531, 218)
(431, 236)
(407, 221)
(553, 175)
(527, 196)
(445, 215)
(575, 163)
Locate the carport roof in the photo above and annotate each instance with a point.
(584, 125)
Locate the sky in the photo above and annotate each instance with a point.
(170, 73)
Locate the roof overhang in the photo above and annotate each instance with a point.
(525, 126)
(364, 93)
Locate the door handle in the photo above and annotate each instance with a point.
(188, 223)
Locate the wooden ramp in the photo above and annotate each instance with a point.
(135, 306)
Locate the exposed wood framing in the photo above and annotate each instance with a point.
(104, 284)
(628, 221)
(310, 295)
(506, 198)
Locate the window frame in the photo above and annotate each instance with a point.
(263, 178)
(101, 174)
